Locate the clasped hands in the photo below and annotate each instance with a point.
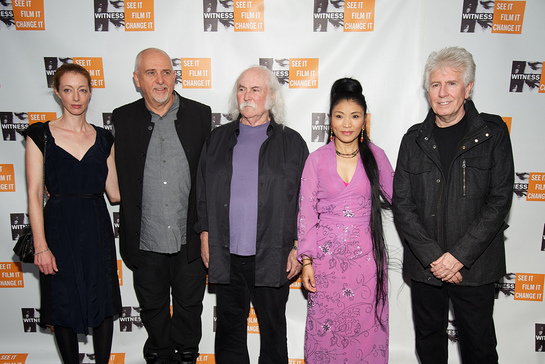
(447, 268)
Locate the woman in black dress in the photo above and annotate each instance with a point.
(73, 236)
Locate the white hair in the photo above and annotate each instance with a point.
(275, 101)
(454, 57)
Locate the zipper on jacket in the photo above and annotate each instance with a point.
(464, 177)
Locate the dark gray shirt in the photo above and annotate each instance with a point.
(167, 183)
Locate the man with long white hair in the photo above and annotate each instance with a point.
(247, 192)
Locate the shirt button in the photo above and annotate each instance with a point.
(168, 227)
(476, 140)
(434, 147)
(166, 204)
(165, 182)
(438, 180)
(487, 134)
(150, 127)
(164, 161)
(425, 138)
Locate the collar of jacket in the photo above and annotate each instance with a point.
(476, 133)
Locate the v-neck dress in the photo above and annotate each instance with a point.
(333, 229)
(79, 233)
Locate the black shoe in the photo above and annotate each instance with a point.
(154, 358)
(188, 357)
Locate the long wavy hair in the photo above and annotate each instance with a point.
(349, 89)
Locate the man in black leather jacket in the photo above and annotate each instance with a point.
(453, 187)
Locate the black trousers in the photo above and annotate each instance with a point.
(155, 279)
(233, 306)
(473, 308)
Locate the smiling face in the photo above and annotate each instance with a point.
(156, 78)
(74, 93)
(447, 94)
(347, 120)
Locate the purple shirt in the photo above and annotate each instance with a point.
(243, 206)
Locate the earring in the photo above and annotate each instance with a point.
(331, 134)
(361, 138)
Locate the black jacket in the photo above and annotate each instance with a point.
(133, 128)
(281, 160)
(464, 216)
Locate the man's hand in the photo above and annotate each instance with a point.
(205, 250)
(456, 279)
(446, 267)
(293, 267)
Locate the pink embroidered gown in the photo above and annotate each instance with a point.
(333, 229)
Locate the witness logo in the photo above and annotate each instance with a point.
(18, 223)
(109, 13)
(320, 127)
(12, 124)
(296, 72)
(520, 189)
(540, 337)
(350, 16)
(131, 15)
(504, 17)
(6, 19)
(505, 287)
(242, 16)
(13, 358)
(31, 318)
(107, 123)
(91, 64)
(130, 316)
(527, 76)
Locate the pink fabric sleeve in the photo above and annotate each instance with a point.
(307, 218)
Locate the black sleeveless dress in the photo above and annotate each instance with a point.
(79, 233)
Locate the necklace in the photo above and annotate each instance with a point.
(347, 155)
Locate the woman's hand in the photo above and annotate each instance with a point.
(307, 277)
(46, 262)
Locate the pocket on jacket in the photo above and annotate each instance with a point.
(476, 176)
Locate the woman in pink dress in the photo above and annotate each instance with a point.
(344, 187)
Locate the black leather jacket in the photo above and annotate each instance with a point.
(281, 160)
(464, 216)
